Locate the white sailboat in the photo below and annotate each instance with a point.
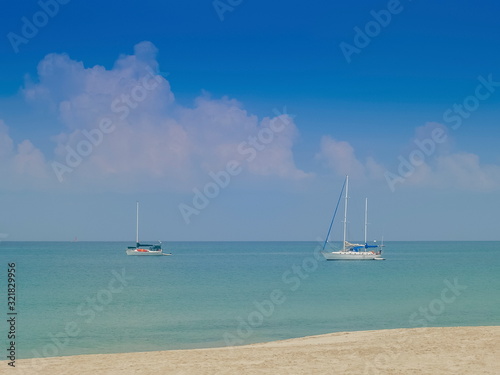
(143, 249)
(351, 251)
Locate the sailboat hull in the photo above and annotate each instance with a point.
(350, 251)
(352, 255)
(143, 249)
(143, 253)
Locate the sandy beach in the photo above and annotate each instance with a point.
(453, 350)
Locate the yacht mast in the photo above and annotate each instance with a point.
(345, 209)
(366, 217)
(137, 224)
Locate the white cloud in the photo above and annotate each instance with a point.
(341, 158)
(440, 167)
(21, 166)
(462, 170)
(123, 129)
(431, 162)
(222, 130)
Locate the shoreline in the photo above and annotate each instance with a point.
(432, 350)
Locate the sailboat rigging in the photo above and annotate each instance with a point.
(351, 251)
(143, 249)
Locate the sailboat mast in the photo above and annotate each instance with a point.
(345, 209)
(137, 224)
(366, 217)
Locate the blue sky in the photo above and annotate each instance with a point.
(172, 93)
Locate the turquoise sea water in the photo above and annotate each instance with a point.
(89, 297)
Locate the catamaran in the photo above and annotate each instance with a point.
(141, 248)
(351, 251)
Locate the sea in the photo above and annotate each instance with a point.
(90, 297)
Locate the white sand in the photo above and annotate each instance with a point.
(456, 350)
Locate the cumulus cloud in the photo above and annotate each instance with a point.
(264, 146)
(460, 170)
(341, 158)
(21, 165)
(430, 161)
(123, 127)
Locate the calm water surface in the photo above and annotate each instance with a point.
(89, 297)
